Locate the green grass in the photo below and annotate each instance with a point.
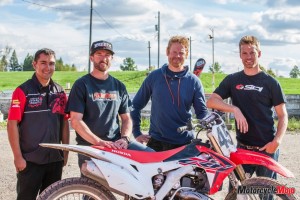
(132, 80)
(293, 125)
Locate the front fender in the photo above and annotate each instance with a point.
(242, 156)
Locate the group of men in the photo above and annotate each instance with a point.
(101, 112)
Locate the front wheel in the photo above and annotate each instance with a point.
(76, 188)
(260, 188)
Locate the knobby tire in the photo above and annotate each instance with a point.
(262, 182)
(76, 188)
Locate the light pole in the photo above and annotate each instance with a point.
(212, 37)
(90, 38)
(157, 28)
(190, 53)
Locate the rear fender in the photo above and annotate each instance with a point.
(81, 149)
(242, 156)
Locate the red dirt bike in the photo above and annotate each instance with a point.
(191, 172)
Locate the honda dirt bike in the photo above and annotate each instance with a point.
(194, 171)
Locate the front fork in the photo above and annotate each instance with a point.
(234, 181)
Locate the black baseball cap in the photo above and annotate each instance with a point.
(101, 45)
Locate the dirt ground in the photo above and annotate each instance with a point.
(289, 157)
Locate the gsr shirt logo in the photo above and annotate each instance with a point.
(248, 87)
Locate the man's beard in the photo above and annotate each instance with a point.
(176, 63)
(101, 66)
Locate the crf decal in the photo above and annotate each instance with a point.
(248, 87)
(35, 102)
(59, 103)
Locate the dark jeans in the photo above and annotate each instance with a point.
(35, 178)
(162, 146)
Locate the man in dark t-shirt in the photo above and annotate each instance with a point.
(97, 102)
(254, 95)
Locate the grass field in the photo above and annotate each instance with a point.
(132, 80)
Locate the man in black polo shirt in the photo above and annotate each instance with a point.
(36, 115)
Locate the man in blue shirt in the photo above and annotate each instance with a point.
(173, 91)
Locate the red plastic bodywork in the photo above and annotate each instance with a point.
(242, 156)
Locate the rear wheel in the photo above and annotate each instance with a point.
(80, 188)
(261, 188)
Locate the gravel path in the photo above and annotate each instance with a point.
(289, 157)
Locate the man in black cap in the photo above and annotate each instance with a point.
(96, 102)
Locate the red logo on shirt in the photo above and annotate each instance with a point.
(35, 102)
(59, 104)
(239, 87)
(104, 96)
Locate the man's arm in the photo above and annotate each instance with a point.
(140, 100)
(126, 128)
(65, 138)
(83, 130)
(282, 115)
(216, 102)
(126, 131)
(13, 137)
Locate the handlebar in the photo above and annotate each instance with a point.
(205, 123)
(188, 127)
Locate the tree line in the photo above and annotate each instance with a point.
(9, 62)
(129, 65)
(12, 64)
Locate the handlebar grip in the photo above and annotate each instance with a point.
(182, 128)
(209, 118)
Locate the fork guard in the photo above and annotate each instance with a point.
(243, 156)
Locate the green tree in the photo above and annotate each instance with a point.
(27, 65)
(216, 69)
(73, 68)
(128, 65)
(270, 72)
(262, 68)
(4, 59)
(151, 68)
(295, 72)
(59, 65)
(14, 63)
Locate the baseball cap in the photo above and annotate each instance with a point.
(101, 45)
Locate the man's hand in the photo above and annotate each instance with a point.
(270, 147)
(242, 124)
(143, 138)
(20, 164)
(121, 143)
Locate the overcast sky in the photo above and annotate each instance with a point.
(63, 25)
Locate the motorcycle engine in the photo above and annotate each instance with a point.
(192, 186)
(198, 181)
